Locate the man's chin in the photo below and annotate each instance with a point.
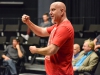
(53, 21)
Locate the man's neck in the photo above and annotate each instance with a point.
(59, 22)
(86, 52)
(46, 21)
(14, 46)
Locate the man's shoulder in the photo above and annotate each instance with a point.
(94, 54)
(66, 23)
(9, 46)
(21, 46)
(82, 52)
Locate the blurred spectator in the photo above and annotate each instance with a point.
(11, 56)
(76, 50)
(45, 23)
(26, 37)
(97, 45)
(87, 59)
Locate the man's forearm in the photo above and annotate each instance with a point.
(36, 29)
(95, 40)
(3, 56)
(43, 51)
(49, 50)
(98, 46)
(20, 54)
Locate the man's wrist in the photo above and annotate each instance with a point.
(28, 22)
(6, 57)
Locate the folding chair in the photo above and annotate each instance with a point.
(78, 28)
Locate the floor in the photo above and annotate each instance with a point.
(34, 69)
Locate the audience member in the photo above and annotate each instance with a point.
(11, 56)
(76, 50)
(97, 45)
(87, 59)
(45, 23)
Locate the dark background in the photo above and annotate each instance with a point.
(83, 11)
(16, 11)
(78, 11)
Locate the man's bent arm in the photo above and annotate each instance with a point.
(49, 50)
(36, 29)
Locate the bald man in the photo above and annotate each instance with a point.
(59, 52)
(76, 50)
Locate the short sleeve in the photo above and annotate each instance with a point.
(61, 36)
(49, 29)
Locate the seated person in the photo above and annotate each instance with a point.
(97, 45)
(45, 23)
(87, 59)
(76, 50)
(11, 56)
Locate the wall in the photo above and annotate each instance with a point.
(43, 7)
(83, 11)
(16, 11)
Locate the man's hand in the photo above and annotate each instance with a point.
(74, 68)
(25, 18)
(32, 49)
(6, 58)
(96, 48)
(17, 46)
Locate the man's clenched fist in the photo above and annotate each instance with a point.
(25, 18)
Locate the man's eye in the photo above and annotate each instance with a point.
(53, 9)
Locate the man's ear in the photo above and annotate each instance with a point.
(62, 11)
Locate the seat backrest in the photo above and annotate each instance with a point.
(2, 40)
(1, 52)
(13, 27)
(1, 27)
(79, 41)
(97, 71)
(21, 40)
(78, 27)
(94, 27)
(23, 28)
(11, 38)
(34, 40)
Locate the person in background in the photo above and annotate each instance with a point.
(76, 51)
(45, 23)
(11, 56)
(97, 45)
(87, 59)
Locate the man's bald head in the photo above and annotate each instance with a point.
(58, 12)
(60, 5)
(76, 48)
